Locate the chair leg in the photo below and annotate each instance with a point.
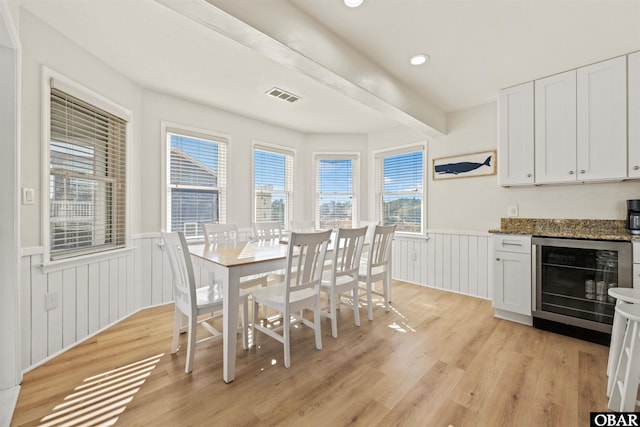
(334, 314)
(617, 336)
(369, 300)
(356, 310)
(256, 307)
(245, 323)
(177, 321)
(316, 324)
(286, 332)
(385, 292)
(191, 346)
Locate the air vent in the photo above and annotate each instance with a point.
(283, 94)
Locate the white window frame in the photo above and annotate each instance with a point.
(355, 194)
(199, 133)
(378, 166)
(289, 191)
(51, 79)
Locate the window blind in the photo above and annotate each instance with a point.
(273, 184)
(87, 178)
(197, 182)
(399, 189)
(335, 198)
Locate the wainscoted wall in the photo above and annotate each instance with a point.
(90, 296)
(94, 295)
(449, 260)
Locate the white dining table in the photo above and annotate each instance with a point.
(229, 262)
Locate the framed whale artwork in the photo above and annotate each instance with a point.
(465, 165)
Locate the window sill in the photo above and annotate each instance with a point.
(51, 266)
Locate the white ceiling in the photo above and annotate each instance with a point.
(476, 48)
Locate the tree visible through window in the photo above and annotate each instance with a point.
(400, 189)
(197, 176)
(335, 199)
(273, 184)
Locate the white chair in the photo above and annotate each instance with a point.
(622, 296)
(344, 274)
(192, 302)
(627, 373)
(216, 233)
(377, 266)
(302, 226)
(299, 291)
(267, 230)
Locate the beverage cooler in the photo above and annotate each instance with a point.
(572, 278)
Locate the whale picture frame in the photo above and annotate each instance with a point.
(465, 165)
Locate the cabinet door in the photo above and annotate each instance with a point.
(602, 120)
(512, 284)
(555, 128)
(515, 147)
(633, 82)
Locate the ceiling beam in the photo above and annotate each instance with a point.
(300, 43)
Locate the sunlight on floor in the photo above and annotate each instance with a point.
(100, 399)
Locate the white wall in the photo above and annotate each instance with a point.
(43, 46)
(478, 203)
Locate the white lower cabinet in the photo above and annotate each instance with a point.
(636, 264)
(512, 278)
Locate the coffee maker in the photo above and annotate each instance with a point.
(633, 216)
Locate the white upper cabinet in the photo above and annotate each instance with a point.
(602, 120)
(580, 125)
(633, 82)
(555, 128)
(515, 146)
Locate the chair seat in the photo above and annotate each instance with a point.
(275, 294)
(212, 295)
(629, 295)
(340, 282)
(375, 271)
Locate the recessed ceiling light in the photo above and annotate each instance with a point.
(353, 3)
(419, 59)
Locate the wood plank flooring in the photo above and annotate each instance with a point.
(436, 359)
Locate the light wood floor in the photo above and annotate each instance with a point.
(437, 359)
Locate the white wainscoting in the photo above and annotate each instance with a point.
(90, 296)
(450, 260)
(97, 294)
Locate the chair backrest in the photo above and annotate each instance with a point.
(380, 246)
(305, 261)
(303, 226)
(267, 230)
(371, 228)
(217, 233)
(347, 251)
(182, 271)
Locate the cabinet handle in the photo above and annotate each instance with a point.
(571, 172)
(636, 167)
(582, 171)
(497, 259)
(505, 243)
(529, 175)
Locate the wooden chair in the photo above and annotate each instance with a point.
(377, 266)
(299, 291)
(344, 274)
(267, 230)
(192, 302)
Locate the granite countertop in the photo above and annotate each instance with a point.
(596, 229)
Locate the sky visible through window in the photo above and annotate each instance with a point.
(193, 148)
(403, 172)
(269, 171)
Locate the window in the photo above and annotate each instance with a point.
(273, 184)
(196, 179)
(335, 197)
(399, 189)
(87, 178)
